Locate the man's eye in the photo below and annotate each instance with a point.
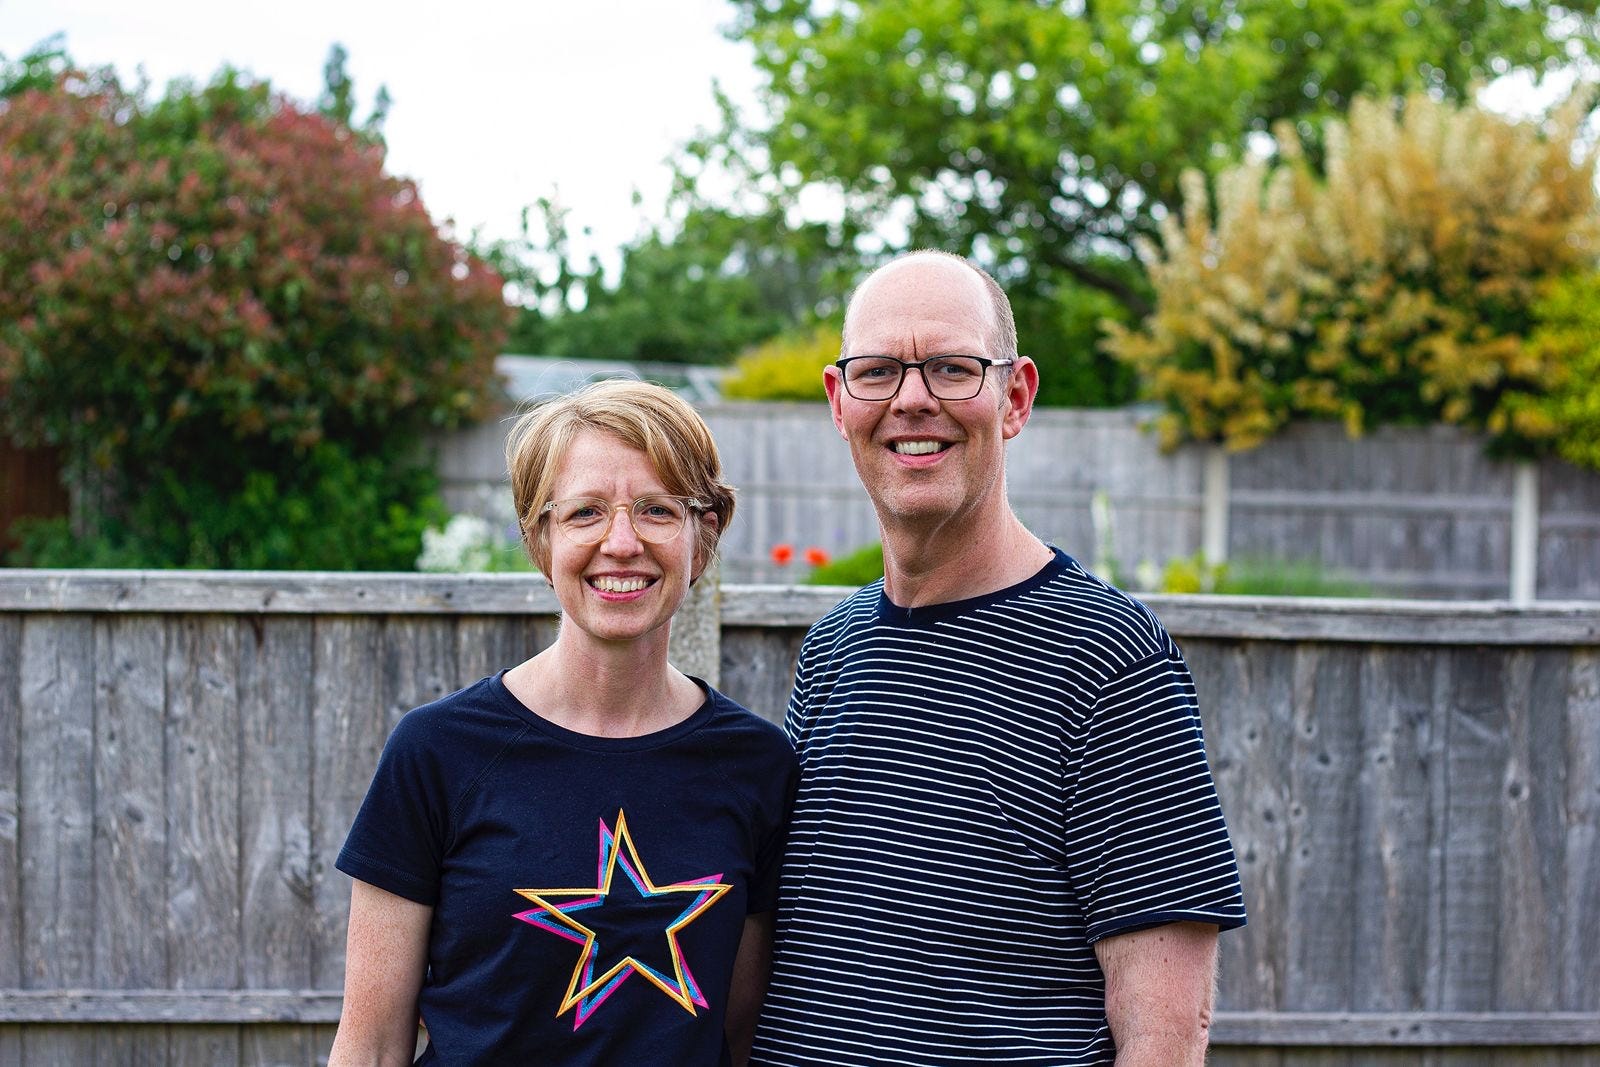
(950, 369)
(875, 371)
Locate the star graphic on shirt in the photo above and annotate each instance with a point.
(590, 986)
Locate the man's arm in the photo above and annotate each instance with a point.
(751, 969)
(1159, 984)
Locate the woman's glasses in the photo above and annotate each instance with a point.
(656, 519)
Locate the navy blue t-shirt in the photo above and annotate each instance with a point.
(589, 893)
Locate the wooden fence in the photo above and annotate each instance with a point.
(1409, 512)
(1413, 789)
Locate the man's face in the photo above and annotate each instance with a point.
(924, 460)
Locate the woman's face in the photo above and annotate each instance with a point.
(621, 588)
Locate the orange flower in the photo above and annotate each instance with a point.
(782, 555)
(815, 556)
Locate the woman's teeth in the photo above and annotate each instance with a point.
(620, 585)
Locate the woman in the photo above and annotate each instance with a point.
(573, 861)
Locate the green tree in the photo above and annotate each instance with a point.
(218, 303)
(1046, 139)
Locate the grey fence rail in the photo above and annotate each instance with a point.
(1414, 791)
(1408, 512)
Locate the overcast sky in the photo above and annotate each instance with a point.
(494, 103)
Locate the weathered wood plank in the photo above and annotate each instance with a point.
(758, 669)
(419, 667)
(1246, 704)
(10, 804)
(349, 727)
(265, 1009)
(278, 923)
(274, 1045)
(203, 1046)
(56, 777)
(130, 802)
(273, 592)
(486, 644)
(1477, 744)
(1323, 824)
(131, 942)
(1398, 760)
(202, 802)
(1579, 960)
(1532, 920)
(284, 592)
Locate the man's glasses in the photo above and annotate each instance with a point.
(656, 519)
(946, 377)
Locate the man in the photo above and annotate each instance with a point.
(1006, 846)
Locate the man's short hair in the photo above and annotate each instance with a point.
(1003, 339)
(656, 421)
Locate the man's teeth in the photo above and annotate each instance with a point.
(917, 448)
(620, 585)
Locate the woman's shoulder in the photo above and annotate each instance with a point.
(477, 710)
(733, 718)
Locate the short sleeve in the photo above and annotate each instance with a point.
(1152, 844)
(769, 858)
(398, 840)
(794, 715)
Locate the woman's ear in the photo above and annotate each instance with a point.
(706, 536)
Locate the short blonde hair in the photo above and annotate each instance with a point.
(654, 420)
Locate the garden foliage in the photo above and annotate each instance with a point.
(788, 367)
(1047, 139)
(1394, 282)
(218, 303)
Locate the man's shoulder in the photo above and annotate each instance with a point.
(862, 604)
(1074, 610)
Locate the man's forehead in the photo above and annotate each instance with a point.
(927, 291)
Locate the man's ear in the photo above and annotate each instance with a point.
(1022, 386)
(835, 388)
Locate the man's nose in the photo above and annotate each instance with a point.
(914, 395)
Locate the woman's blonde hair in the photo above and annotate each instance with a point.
(654, 420)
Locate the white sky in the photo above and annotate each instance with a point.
(494, 103)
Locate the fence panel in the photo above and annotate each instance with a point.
(1411, 789)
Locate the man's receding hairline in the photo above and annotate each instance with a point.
(998, 303)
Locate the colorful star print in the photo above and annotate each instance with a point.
(588, 990)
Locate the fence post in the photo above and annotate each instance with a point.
(1525, 533)
(696, 643)
(1214, 508)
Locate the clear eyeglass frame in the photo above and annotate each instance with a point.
(656, 518)
(951, 377)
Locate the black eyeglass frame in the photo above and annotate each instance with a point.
(984, 361)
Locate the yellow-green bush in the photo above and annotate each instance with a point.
(786, 368)
(1567, 339)
(1394, 283)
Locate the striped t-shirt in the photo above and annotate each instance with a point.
(987, 788)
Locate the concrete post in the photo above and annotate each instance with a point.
(695, 647)
(1525, 534)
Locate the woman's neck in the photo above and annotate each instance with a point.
(605, 689)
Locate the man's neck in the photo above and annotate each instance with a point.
(937, 565)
